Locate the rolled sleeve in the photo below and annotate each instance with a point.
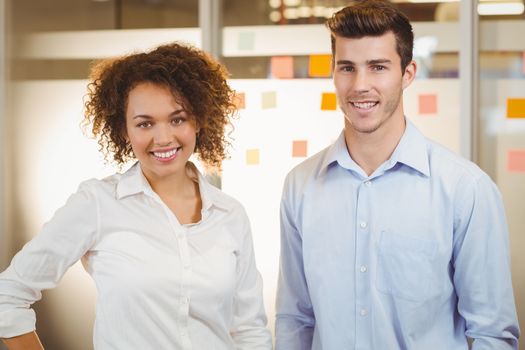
(249, 322)
(44, 260)
(295, 319)
(482, 276)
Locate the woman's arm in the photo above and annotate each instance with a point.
(249, 322)
(28, 341)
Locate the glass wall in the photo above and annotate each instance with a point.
(502, 129)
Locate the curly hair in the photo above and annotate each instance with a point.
(196, 80)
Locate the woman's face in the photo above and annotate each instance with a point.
(161, 132)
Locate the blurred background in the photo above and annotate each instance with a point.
(469, 95)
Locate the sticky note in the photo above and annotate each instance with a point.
(269, 99)
(239, 100)
(320, 66)
(246, 41)
(328, 101)
(252, 156)
(516, 161)
(427, 104)
(516, 108)
(299, 148)
(282, 67)
(523, 62)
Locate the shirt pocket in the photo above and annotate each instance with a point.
(406, 267)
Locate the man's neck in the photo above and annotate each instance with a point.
(370, 150)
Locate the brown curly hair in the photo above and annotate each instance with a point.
(197, 81)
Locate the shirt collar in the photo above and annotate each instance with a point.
(133, 182)
(338, 153)
(411, 151)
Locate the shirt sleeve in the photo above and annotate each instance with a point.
(295, 319)
(42, 262)
(249, 321)
(482, 274)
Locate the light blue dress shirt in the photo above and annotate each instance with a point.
(415, 256)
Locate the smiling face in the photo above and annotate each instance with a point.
(369, 82)
(161, 132)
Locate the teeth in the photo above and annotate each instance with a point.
(364, 105)
(165, 154)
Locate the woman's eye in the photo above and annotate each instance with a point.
(178, 121)
(144, 125)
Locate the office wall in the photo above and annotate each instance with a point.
(51, 156)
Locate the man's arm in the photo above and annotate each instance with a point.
(482, 276)
(295, 319)
(28, 341)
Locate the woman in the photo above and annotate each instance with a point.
(171, 255)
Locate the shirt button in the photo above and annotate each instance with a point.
(363, 312)
(368, 183)
(362, 224)
(363, 268)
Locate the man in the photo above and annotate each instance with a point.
(388, 240)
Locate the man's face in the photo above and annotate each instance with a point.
(369, 82)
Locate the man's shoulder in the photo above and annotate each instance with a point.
(444, 162)
(310, 167)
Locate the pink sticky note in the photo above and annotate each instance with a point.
(282, 67)
(239, 100)
(523, 63)
(516, 161)
(299, 148)
(428, 104)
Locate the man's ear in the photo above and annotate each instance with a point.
(409, 74)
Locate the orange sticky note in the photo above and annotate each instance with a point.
(427, 104)
(516, 161)
(320, 66)
(252, 156)
(516, 108)
(239, 100)
(328, 101)
(299, 148)
(282, 67)
(269, 99)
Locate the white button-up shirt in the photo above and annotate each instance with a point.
(160, 284)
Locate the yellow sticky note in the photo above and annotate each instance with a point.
(299, 148)
(328, 101)
(516, 108)
(282, 67)
(252, 156)
(269, 99)
(320, 66)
